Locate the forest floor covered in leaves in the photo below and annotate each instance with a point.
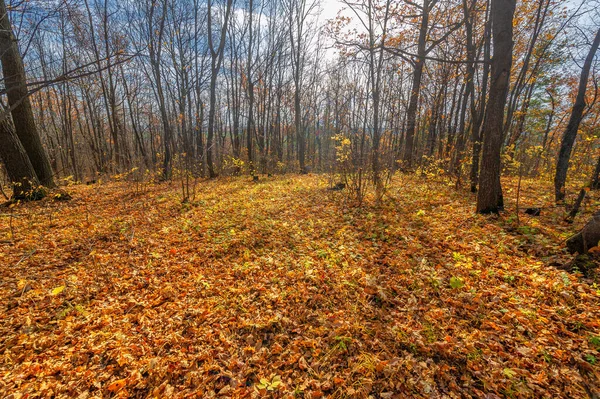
(282, 289)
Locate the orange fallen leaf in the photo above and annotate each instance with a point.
(117, 385)
(381, 366)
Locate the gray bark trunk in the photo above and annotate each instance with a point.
(20, 171)
(489, 196)
(18, 100)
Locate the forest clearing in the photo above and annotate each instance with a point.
(280, 288)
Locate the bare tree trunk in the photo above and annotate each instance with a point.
(566, 146)
(478, 116)
(469, 86)
(411, 122)
(250, 89)
(216, 60)
(20, 171)
(298, 11)
(18, 101)
(489, 197)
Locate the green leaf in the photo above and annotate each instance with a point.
(595, 341)
(456, 283)
(57, 290)
(591, 359)
(508, 372)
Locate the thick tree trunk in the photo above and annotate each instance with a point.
(18, 100)
(489, 197)
(570, 134)
(20, 171)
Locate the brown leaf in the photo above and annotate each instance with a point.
(302, 363)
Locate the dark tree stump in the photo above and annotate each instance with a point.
(533, 211)
(587, 238)
(337, 187)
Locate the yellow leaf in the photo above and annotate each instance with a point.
(58, 290)
(508, 372)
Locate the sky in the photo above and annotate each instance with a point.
(330, 9)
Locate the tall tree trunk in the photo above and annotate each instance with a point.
(489, 196)
(211, 123)
(20, 171)
(18, 100)
(479, 115)
(155, 51)
(413, 103)
(469, 86)
(566, 146)
(216, 60)
(250, 89)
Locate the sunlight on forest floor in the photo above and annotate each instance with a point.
(280, 289)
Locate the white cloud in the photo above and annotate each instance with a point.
(330, 9)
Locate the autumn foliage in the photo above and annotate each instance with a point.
(282, 288)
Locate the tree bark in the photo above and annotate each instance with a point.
(411, 122)
(216, 60)
(570, 133)
(479, 114)
(20, 171)
(489, 196)
(250, 89)
(18, 100)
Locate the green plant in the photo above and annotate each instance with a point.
(342, 343)
(594, 340)
(456, 282)
(269, 385)
(547, 356)
(591, 359)
(475, 354)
